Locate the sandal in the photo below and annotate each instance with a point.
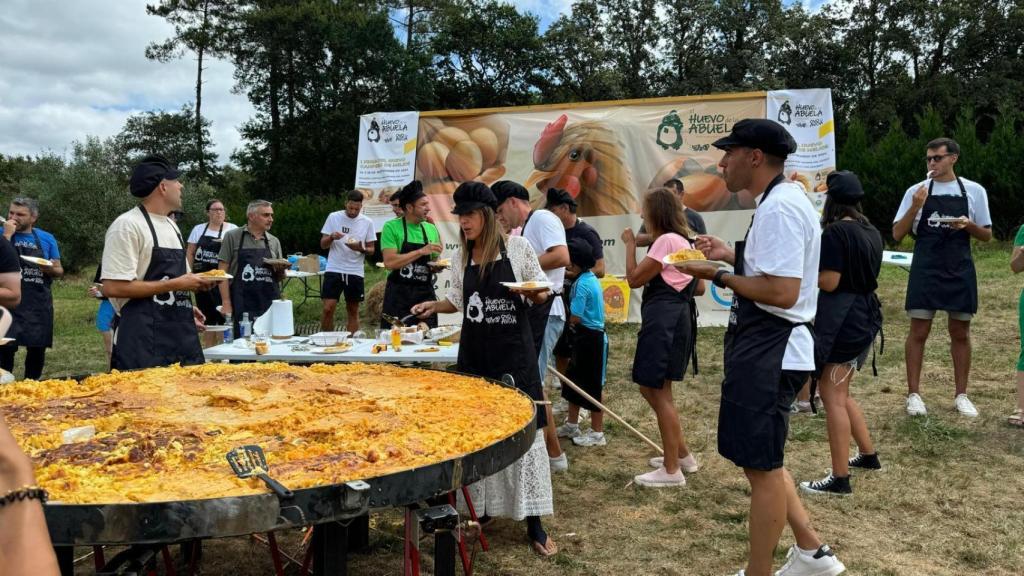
(1016, 419)
(545, 550)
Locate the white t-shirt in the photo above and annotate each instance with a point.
(544, 231)
(128, 247)
(197, 230)
(977, 201)
(785, 240)
(342, 259)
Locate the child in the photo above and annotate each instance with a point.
(589, 347)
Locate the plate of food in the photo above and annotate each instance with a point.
(277, 261)
(529, 286)
(336, 349)
(428, 349)
(38, 261)
(380, 265)
(680, 258)
(351, 240)
(218, 275)
(443, 332)
(4, 341)
(440, 264)
(937, 219)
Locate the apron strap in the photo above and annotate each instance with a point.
(149, 222)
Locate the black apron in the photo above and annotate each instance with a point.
(208, 258)
(159, 330)
(942, 275)
(411, 284)
(755, 345)
(665, 321)
(496, 338)
(32, 320)
(587, 367)
(253, 288)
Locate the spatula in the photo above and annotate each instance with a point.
(248, 461)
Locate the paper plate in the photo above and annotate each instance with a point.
(277, 261)
(6, 341)
(218, 328)
(940, 220)
(37, 261)
(534, 286)
(683, 263)
(216, 278)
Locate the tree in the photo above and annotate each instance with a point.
(632, 29)
(686, 67)
(169, 134)
(580, 68)
(195, 29)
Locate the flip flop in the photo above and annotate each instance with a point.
(545, 550)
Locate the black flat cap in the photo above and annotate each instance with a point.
(560, 197)
(765, 135)
(471, 196)
(581, 254)
(505, 189)
(148, 174)
(844, 187)
(410, 193)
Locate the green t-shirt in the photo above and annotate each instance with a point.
(1019, 240)
(392, 234)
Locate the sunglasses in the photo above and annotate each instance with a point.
(936, 157)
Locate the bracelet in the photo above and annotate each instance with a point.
(25, 493)
(717, 280)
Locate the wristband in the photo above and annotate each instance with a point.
(717, 280)
(25, 493)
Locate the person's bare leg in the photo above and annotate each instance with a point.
(859, 426)
(768, 512)
(914, 349)
(327, 315)
(597, 420)
(573, 415)
(668, 425)
(960, 349)
(804, 395)
(550, 436)
(1020, 390)
(561, 364)
(352, 321)
(837, 422)
(108, 344)
(797, 517)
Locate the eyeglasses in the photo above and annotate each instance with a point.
(936, 157)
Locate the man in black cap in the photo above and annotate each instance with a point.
(147, 278)
(769, 347)
(409, 244)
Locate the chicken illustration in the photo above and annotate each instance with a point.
(587, 160)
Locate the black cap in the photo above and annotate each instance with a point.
(844, 187)
(410, 193)
(560, 197)
(471, 196)
(765, 135)
(148, 174)
(505, 189)
(581, 254)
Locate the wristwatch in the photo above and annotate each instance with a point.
(717, 280)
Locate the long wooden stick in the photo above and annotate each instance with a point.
(604, 409)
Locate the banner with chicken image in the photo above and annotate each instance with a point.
(807, 115)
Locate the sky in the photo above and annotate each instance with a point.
(76, 68)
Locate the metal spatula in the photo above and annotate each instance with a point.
(248, 461)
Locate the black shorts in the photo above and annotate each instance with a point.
(336, 283)
(563, 348)
(756, 438)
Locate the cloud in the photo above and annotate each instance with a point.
(72, 69)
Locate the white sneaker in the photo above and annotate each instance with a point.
(822, 563)
(590, 439)
(559, 464)
(660, 478)
(915, 405)
(568, 430)
(688, 464)
(965, 406)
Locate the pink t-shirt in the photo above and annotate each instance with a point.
(663, 246)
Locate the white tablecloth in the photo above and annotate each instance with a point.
(360, 352)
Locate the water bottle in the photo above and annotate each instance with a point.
(245, 326)
(229, 334)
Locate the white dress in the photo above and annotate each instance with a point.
(523, 488)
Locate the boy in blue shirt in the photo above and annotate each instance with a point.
(589, 347)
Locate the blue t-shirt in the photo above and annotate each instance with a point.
(27, 240)
(586, 301)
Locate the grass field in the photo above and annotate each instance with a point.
(949, 501)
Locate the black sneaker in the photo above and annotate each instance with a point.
(865, 461)
(828, 485)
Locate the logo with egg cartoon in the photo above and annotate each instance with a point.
(475, 309)
(373, 134)
(670, 132)
(785, 113)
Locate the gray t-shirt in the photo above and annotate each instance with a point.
(233, 241)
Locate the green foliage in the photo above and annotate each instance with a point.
(169, 134)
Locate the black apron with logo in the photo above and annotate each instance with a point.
(664, 321)
(942, 275)
(411, 284)
(208, 258)
(32, 320)
(253, 289)
(159, 330)
(752, 421)
(496, 338)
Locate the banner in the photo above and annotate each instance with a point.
(607, 155)
(807, 115)
(387, 158)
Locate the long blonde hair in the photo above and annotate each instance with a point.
(663, 213)
(491, 238)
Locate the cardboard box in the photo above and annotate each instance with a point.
(309, 263)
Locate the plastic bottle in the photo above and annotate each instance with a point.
(245, 326)
(229, 334)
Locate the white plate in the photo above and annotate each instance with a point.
(37, 261)
(439, 264)
(223, 278)
(6, 341)
(683, 263)
(278, 261)
(442, 332)
(324, 351)
(216, 328)
(380, 265)
(536, 287)
(940, 220)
